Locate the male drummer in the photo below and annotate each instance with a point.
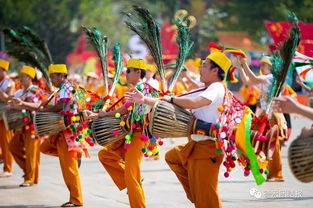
(124, 165)
(57, 144)
(25, 146)
(6, 90)
(196, 164)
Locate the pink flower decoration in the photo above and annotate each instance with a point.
(127, 105)
(126, 146)
(65, 100)
(144, 138)
(115, 132)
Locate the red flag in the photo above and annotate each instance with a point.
(279, 32)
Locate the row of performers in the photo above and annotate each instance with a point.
(217, 124)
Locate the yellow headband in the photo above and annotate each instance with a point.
(58, 68)
(137, 64)
(221, 60)
(266, 60)
(4, 64)
(28, 70)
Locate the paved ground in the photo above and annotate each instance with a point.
(161, 186)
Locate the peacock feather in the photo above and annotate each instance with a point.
(142, 23)
(282, 58)
(29, 48)
(100, 43)
(184, 44)
(118, 63)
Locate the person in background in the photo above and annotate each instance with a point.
(288, 91)
(25, 146)
(250, 95)
(7, 87)
(263, 82)
(149, 78)
(307, 89)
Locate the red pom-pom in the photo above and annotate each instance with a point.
(226, 174)
(126, 146)
(115, 132)
(127, 105)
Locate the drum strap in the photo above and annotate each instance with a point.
(51, 97)
(192, 92)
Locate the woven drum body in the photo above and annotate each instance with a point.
(103, 128)
(48, 123)
(13, 119)
(301, 160)
(170, 121)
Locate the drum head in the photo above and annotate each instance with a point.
(300, 159)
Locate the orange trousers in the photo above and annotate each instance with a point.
(57, 146)
(196, 166)
(124, 168)
(26, 152)
(275, 166)
(5, 138)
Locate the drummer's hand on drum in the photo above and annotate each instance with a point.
(135, 97)
(90, 115)
(15, 103)
(166, 98)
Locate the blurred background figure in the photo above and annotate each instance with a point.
(250, 95)
(150, 76)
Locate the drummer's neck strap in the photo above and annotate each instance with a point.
(51, 97)
(192, 92)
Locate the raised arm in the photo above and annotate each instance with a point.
(306, 88)
(246, 74)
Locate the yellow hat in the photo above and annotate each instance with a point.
(221, 60)
(152, 68)
(4, 64)
(266, 60)
(58, 68)
(137, 64)
(28, 70)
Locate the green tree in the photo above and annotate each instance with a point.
(50, 19)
